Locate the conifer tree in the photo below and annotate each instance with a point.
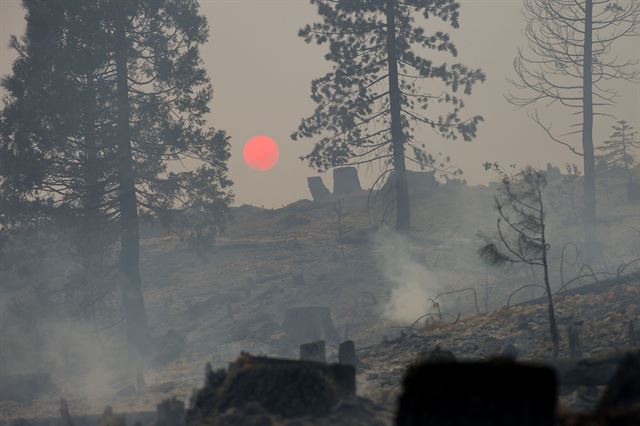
(106, 101)
(618, 151)
(368, 105)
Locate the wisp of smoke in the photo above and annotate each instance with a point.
(412, 283)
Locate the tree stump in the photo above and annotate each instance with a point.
(575, 345)
(633, 336)
(314, 351)
(309, 324)
(283, 387)
(347, 353)
(345, 181)
(319, 191)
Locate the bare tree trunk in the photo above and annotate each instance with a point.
(590, 228)
(403, 214)
(132, 297)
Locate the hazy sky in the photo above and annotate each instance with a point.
(261, 72)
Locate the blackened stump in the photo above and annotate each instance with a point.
(347, 353)
(345, 181)
(306, 324)
(319, 191)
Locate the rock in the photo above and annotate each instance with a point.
(319, 191)
(345, 181)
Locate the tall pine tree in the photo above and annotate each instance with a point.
(370, 102)
(137, 96)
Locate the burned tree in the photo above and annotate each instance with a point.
(522, 237)
(568, 64)
(617, 153)
(368, 104)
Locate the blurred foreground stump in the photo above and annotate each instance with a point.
(281, 387)
(309, 324)
(314, 351)
(479, 394)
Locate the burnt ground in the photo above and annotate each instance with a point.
(211, 307)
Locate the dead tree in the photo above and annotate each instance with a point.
(568, 63)
(521, 230)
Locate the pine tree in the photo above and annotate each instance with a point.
(114, 94)
(617, 152)
(370, 102)
(53, 148)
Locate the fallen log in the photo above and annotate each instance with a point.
(600, 286)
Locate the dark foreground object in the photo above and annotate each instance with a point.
(286, 388)
(478, 394)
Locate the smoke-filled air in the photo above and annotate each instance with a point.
(319, 212)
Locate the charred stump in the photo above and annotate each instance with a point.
(309, 324)
(347, 353)
(319, 191)
(345, 181)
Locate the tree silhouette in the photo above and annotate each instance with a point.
(368, 105)
(106, 101)
(568, 63)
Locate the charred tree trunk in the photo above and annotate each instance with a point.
(553, 325)
(590, 228)
(403, 216)
(132, 297)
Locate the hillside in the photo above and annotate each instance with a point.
(210, 307)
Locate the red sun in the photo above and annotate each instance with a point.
(260, 153)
